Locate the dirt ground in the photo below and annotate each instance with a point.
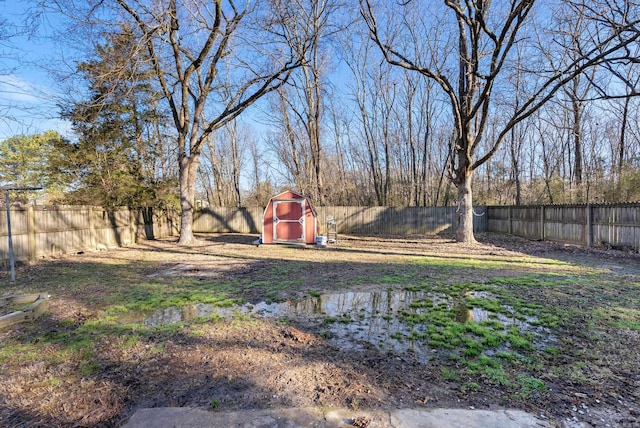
(241, 363)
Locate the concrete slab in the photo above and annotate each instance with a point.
(456, 418)
(184, 417)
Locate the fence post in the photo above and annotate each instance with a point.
(92, 229)
(542, 222)
(589, 230)
(510, 229)
(12, 260)
(31, 233)
(132, 226)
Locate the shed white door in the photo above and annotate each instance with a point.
(288, 220)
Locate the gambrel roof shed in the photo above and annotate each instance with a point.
(289, 218)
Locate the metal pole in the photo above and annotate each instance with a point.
(12, 261)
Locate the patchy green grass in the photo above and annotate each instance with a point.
(490, 322)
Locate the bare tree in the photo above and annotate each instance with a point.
(622, 129)
(224, 160)
(211, 60)
(375, 99)
(6, 87)
(287, 143)
(262, 187)
(302, 103)
(20, 102)
(485, 35)
(417, 119)
(339, 180)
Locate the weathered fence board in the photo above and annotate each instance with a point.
(39, 231)
(396, 220)
(612, 225)
(228, 220)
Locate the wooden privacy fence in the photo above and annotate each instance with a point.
(611, 225)
(43, 231)
(46, 231)
(356, 220)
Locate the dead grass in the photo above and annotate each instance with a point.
(81, 365)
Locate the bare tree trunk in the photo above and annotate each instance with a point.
(205, 178)
(414, 198)
(426, 165)
(464, 230)
(340, 193)
(425, 168)
(290, 134)
(373, 159)
(188, 169)
(441, 180)
(623, 136)
(314, 106)
(236, 168)
(515, 165)
(217, 175)
(576, 107)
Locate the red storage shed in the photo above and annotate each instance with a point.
(289, 218)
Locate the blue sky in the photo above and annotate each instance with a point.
(27, 92)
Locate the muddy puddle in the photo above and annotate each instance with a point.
(357, 320)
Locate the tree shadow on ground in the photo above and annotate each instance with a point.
(110, 369)
(228, 364)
